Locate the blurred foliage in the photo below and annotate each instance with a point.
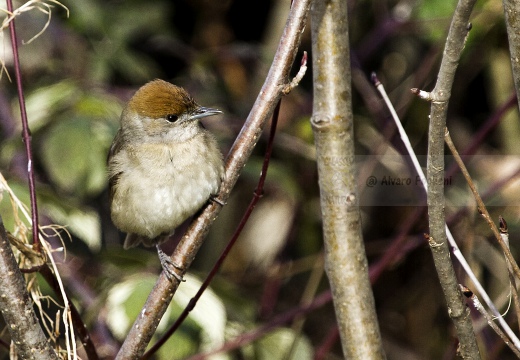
(78, 124)
(112, 28)
(82, 69)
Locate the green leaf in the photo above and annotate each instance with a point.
(83, 223)
(74, 156)
(204, 328)
(43, 103)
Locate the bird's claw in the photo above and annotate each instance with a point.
(215, 199)
(169, 266)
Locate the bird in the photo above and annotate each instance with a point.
(163, 166)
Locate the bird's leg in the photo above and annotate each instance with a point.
(170, 268)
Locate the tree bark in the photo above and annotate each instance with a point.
(332, 122)
(440, 96)
(16, 307)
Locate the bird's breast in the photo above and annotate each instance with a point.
(163, 185)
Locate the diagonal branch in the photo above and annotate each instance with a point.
(272, 90)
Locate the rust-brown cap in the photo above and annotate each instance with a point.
(159, 98)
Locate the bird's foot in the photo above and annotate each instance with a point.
(171, 269)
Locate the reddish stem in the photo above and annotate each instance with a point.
(26, 135)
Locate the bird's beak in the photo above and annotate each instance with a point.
(203, 112)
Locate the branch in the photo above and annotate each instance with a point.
(332, 123)
(511, 11)
(482, 207)
(440, 96)
(504, 234)
(272, 90)
(454, 247)
(16, 306)
(490, 320)
(25, 131)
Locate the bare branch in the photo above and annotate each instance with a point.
(25, 129)
(511, 11)
(16, 306)
(332, 123)
(482, 207)
(160, 297)
(504, 234)
(477, 305)
(454, 246)
(440, 96)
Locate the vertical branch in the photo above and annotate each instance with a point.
(16, 307)
(440, 96)
(332, 123)
(454, 247)
(25, 130)
(511, 11)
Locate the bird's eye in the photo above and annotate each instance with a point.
(171, 117)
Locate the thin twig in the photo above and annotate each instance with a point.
(25, 131)
(400, 128)
(476, 303)
(504, 234)
(481, 206)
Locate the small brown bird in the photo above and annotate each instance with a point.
(163, 165)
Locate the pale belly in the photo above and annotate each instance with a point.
(153, 202)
